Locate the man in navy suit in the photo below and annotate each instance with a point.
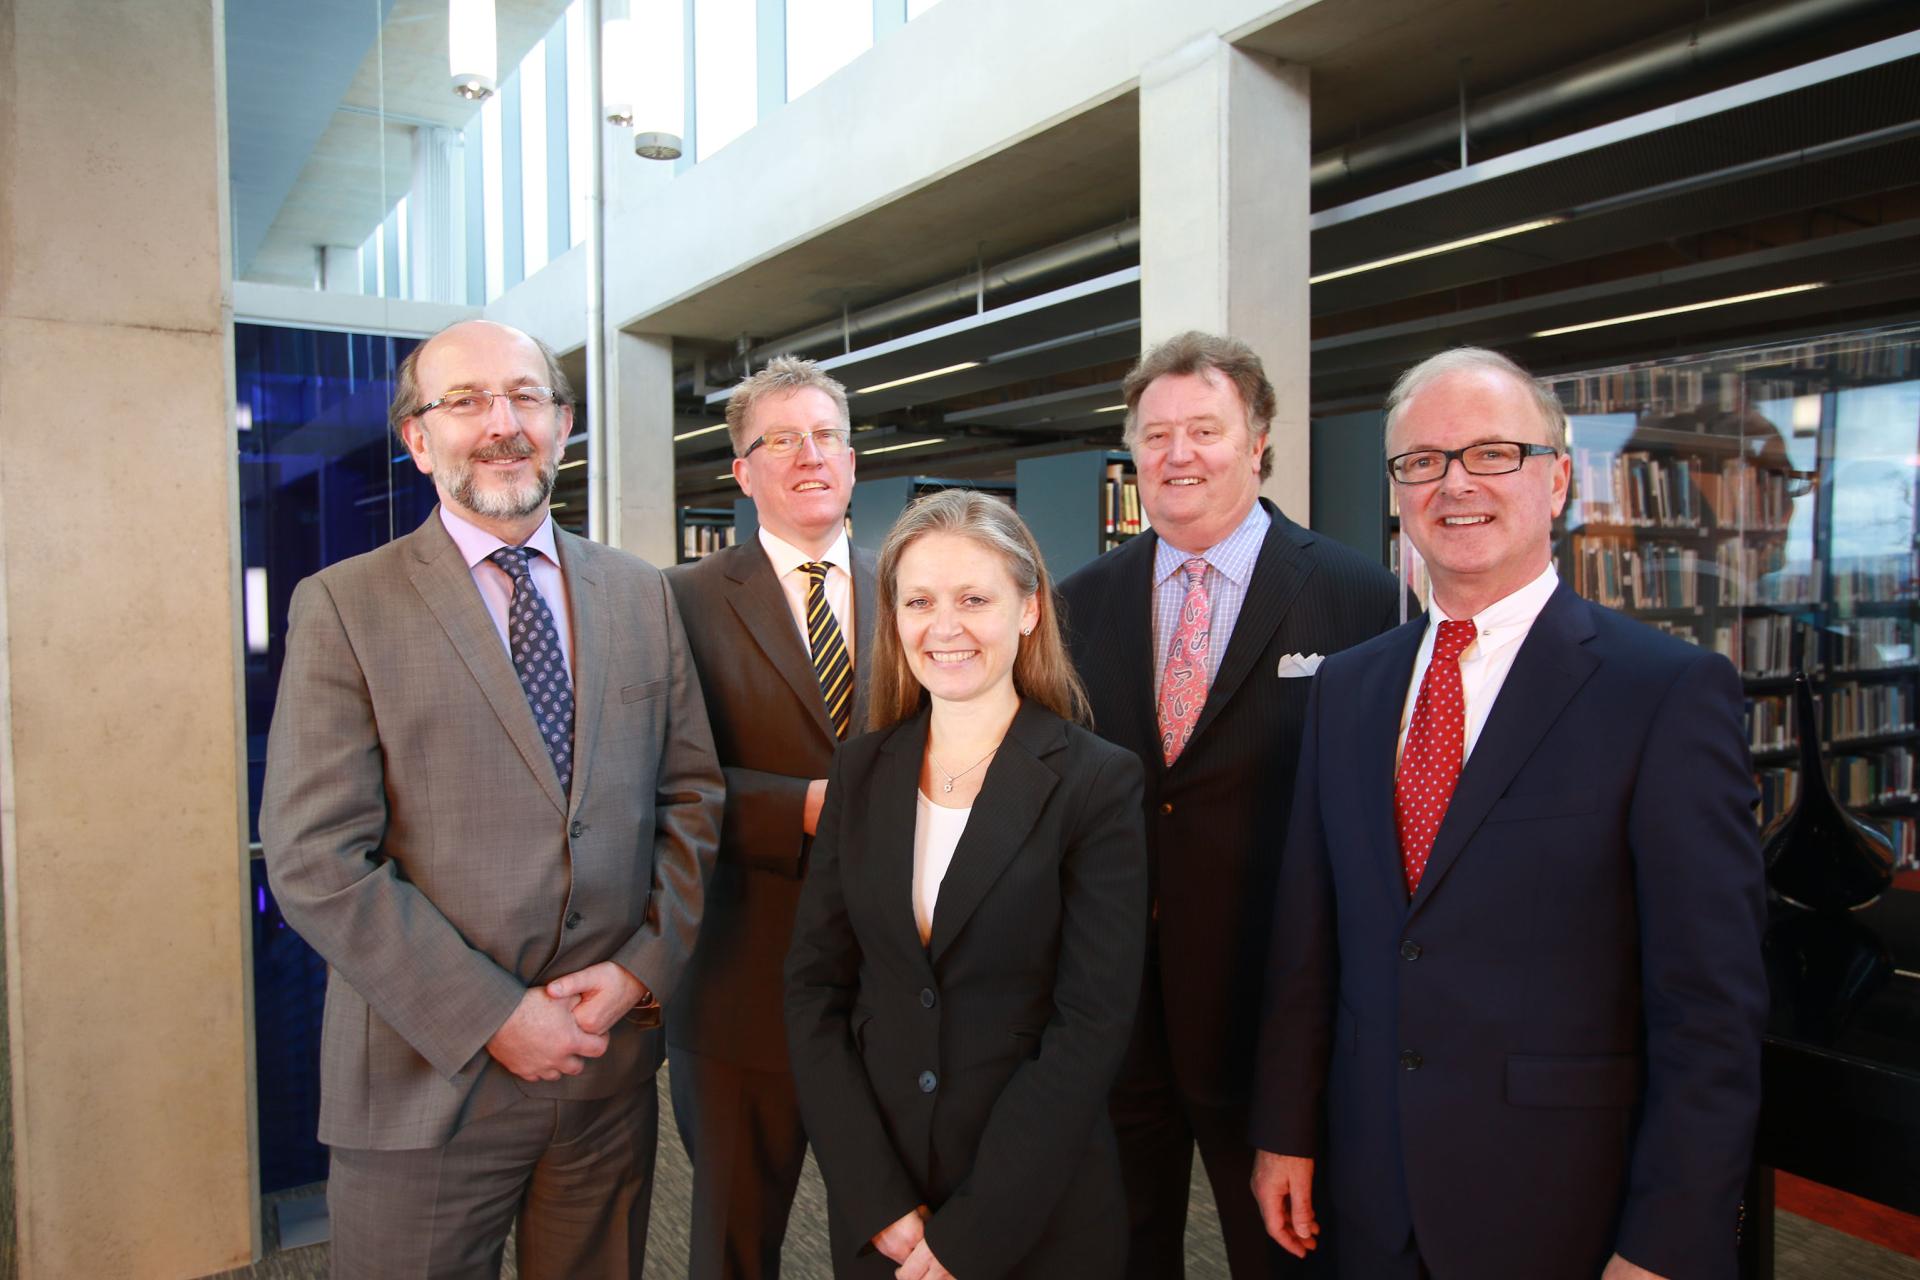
(1516, 942)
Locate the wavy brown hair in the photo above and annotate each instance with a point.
(1041, 669)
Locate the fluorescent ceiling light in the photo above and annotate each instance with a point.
(1435, 249)
(1112, 408)
(555, 506)
(895, 448)
(568, 466)
(918, 377)
(701, 431)
(1674, 311)
(724, 475)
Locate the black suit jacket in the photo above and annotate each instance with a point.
(971, 1074)
(1216, 819)
(1553, 1052)
(772, 734)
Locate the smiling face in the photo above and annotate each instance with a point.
(1483, 537)
(802, 498)
(1197, 458)
(960, 616)
(498, 468)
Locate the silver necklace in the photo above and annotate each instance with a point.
(951, 778)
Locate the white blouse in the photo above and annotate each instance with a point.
(936, 832)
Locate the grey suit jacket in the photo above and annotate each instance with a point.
(416, 834)
(771, 729)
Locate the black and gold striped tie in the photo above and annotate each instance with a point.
(830, 662)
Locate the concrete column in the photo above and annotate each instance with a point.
(122, 846)
(340, 268)
(1224, 149)
(437, 216)
(640, 446)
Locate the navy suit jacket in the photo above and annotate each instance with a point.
(1551, 1053)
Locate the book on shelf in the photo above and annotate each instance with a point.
(1120, 511)
(699, 539)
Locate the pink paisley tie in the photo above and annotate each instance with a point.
(1430, 763)
(1183, 682)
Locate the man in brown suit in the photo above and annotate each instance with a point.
(784, 682)
(491, 801)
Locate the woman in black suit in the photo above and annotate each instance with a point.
(969, 942)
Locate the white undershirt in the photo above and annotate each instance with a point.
(936, 833)
(787, 559)
(1498, 631)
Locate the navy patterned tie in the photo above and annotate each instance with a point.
(542, 668)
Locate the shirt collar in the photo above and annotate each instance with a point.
(1512, 614)
(786, 557)
(476, 544)
(1232, 557)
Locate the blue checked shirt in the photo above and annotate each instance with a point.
(1229, 570)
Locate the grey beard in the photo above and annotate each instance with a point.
(506, 503)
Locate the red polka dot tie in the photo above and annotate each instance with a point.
(1430, 764)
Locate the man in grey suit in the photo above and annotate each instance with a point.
(491, 802)
(780, 629)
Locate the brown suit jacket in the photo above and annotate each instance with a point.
(771, 730)
(416, 834)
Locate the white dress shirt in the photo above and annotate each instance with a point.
(496, 584)
(936, 834)
(1498, 631)
(787, 560)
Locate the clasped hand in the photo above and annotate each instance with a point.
(905, 1242)
(557, 1027)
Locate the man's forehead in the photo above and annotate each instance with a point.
(480, 355)
(1161, 408)
(800, 405)
(1471, 406)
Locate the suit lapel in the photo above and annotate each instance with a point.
(891, 813)
(1278, 574)
(1551, 666)
(1382, 701)
(445, 584)
(592, 642)
(864, 590)
(761, 605)
(1133, 650)
(1012, 794)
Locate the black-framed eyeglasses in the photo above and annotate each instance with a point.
(1488, 458)
(474, 402)
(830, 441)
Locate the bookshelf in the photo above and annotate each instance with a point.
(703, 531)
(1079, 505)
(1762, 503)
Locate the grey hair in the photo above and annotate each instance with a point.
(1478, 360)
(406, 379)
(782, 375)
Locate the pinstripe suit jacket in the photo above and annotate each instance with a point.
(1217, 819)
(417, 836)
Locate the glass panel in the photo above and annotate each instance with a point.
(579, 141)
(917, 7)
(533, 158)
(822, 37)
(725, 77)
(1762, 502)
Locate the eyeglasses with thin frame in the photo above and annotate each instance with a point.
(830, 441)
(476, 402)
(1488, 458)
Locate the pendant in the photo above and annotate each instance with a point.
(948, 786)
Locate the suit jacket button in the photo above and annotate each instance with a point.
(1166, 806)
(573, 919)
(1410, 1060)
(577, 829)
(1409, 950)
(926, 997)
(928, 1081)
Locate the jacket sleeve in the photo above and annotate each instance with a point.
(1039, 1128)
(1295, 1032)
(1699, 889)
(323, 820)
(871, 1187)
(688, 797)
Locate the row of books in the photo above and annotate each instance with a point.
(698, 539)
(1763, 647)
(1850, 711)
(1654, 393)
(1875, 580)
(1121, 515)
(1871, 644)
(1873, 777)
(1617, 571)
(1639, 489)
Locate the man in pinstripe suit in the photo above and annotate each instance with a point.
(779, 629)
(1197, 642)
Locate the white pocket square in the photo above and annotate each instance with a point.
(1299, 664)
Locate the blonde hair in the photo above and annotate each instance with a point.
(1041, 669)
(783, 375)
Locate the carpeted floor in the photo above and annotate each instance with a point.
(1803, 1250)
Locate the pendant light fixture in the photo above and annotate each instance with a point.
(658, 77)
(472, 49)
